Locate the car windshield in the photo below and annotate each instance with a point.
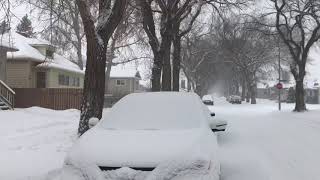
(155, 111)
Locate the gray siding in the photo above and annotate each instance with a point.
(3, 65)
(131, 85)
(19, 74)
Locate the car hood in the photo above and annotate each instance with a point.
(142, 148)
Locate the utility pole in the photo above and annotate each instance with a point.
(279, 72)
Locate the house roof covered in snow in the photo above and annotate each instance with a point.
(60, 62)
(6, 43)
(27, 50)
(121, 71)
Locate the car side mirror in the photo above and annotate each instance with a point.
(218, 125)
(92, 122)
(212, 114)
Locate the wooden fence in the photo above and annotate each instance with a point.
(52, 98)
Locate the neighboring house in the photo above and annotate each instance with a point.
(123, 82)
(266, 87)
(312, 92)
(37, 65)
(6, 93)
(312, 79)
(267, 90)
(5, 46)
(183, 84)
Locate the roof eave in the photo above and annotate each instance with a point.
(9, 49)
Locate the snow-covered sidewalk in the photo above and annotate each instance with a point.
(259, 144)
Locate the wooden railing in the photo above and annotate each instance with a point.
(7, 95)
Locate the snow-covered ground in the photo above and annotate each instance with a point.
(260, 142)
(264, 144)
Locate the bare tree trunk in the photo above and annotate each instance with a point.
(79, 55)
(97, 41)
(166, 68)
(300, 103)
(77, 27)
(93, 90)
(176, 63)
(165, 49)
(106, 86)
(253, 93)
(248, 92)
(243, 93)
(156, 72)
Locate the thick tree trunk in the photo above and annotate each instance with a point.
(243, 92)
(156, 72)
(106, 86)
(94, 84)
(300, 103)
(248, 93)
(253, 93)
(165, 50)
(97, 41)
(79, 55)
(176, 63)
(166, 71)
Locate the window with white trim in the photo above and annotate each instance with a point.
(120, 82)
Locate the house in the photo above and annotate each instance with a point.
(37, 65)
(184, 83)
(122, 81)
(5, 47)
(6, 93)
(312, 78)
(268, 90)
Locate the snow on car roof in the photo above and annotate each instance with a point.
(207, 97)
(160, 110)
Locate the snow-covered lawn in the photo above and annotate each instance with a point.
(260, 142)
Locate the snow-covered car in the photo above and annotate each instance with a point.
(163, 135)
(208, 100)
(234, 99)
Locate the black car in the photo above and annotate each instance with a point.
(207, 100)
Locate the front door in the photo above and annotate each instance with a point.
(41, 79)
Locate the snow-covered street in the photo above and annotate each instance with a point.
(260, 143)
(264, 144)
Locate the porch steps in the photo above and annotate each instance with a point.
(6, 97)
(3, 106)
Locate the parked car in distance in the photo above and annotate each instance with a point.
(146, 132)
(234, 99)
(208, 100)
